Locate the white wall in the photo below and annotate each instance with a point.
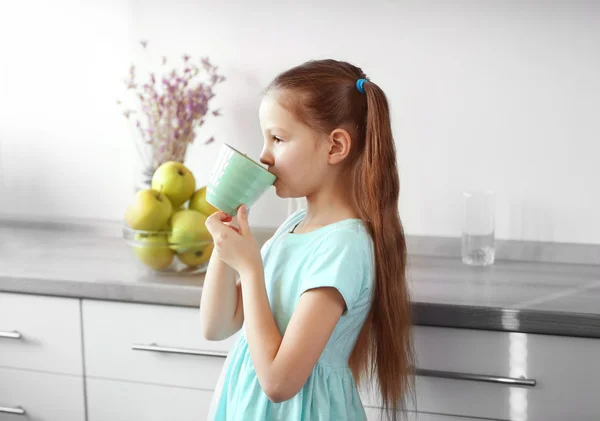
(498, 94)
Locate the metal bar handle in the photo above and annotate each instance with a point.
(185, 351)
(10, 335)
(420, 372)
(15, 411)
(477, 377)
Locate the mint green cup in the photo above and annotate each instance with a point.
(236, 180)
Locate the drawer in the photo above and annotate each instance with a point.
(40, 333)
(42, 396)
(445, 351)
(150, 344)
(111, 400)
(467, 368)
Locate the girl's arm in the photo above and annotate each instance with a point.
(283, 364)
(221, 309)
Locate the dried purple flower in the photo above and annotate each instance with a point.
(175, 107)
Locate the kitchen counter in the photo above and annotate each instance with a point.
(92, 261)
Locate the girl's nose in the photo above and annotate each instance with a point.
(266, 158)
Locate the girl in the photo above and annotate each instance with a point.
(324, 305)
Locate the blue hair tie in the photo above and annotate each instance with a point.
(359, 85)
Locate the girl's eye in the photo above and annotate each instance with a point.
(277, 139)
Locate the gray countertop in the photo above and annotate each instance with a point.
(92, 261)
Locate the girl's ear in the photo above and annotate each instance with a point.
(339, 145)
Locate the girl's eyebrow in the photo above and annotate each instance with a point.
(272, 128)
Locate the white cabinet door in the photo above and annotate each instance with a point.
(110, 400)
(40, 333)
(40, 396)
(150, 344)
(568, 375)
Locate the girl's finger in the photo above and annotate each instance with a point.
(215, 221)
(224, 217)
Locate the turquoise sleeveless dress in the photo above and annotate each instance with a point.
(339, 255)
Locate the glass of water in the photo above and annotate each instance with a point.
(478, 228)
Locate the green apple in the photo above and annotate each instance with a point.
(149, 211)
(197, 255)
(198, 202)
(176, 181)
(188, 228)
(153, 250)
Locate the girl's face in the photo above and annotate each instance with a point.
(294, 152)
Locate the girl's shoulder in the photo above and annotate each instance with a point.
(342, 234)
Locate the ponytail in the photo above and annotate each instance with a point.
(384, 348)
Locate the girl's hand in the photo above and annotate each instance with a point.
(236, 246)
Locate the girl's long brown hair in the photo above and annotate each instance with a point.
(323, 94)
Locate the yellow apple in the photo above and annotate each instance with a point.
(149, 211)
(198, 202)
(153, 250)
(174, 180)
(196, 256)
(187, 230)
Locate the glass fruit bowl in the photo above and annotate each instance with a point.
(157, 252)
